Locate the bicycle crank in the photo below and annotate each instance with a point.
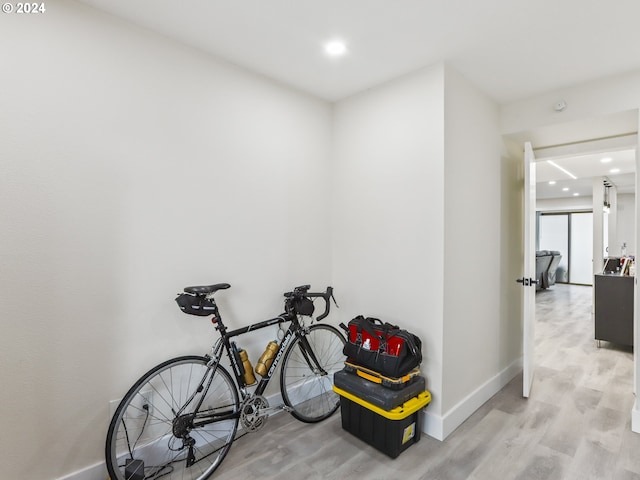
(254, 413)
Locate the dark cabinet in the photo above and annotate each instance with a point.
(614, 308)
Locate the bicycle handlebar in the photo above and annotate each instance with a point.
(302, 291)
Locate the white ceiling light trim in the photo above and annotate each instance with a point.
(550, 162)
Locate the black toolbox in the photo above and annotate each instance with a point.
(390, 431)
(375, 393)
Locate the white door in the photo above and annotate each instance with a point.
(528, 279)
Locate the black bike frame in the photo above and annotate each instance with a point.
(293, 331)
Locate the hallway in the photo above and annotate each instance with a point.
(576, 425)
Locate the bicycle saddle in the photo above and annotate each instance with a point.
(207, 288)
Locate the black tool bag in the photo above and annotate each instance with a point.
(382, 347)
(195, 304)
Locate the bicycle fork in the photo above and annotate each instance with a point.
(310, 357)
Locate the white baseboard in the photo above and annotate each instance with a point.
(94, 472)
(432, 425)
(440, 427)
(635, 417)
(99, 470)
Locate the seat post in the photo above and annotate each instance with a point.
(217, 319)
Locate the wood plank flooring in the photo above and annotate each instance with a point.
(576, 425)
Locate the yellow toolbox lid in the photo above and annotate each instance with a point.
(376, 377)
(399, 413)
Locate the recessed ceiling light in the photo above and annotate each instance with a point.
(552, 182)
(606, 159)
(614, 170)
(562, 169)
(576, 194)
(335, 48)
(565, 189)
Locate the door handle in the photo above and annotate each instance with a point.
(527, 282)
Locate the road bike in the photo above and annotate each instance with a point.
(179, 420)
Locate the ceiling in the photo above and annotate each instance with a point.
(585, 167)
(578, 146)
(509, 49)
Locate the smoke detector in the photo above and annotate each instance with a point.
(560, 106)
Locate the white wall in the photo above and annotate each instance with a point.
(388, 209)
(626, 223)
(610, 95)
(424, 202)
(478, 342)
(635, 412)
(564, 204)
(131, 167)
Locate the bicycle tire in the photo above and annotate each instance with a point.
(310, 393)
(144, 425)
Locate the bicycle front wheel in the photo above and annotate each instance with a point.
(306, 380)
(177, 422)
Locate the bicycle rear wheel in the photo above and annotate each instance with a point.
(155, 433)
(307, 386)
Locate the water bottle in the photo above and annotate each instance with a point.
(266, 359)
(249, 377)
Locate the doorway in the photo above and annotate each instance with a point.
(578, 139)
(571, 235)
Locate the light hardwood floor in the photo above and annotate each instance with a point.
(576, 425)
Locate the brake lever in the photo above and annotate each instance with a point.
(334, 300)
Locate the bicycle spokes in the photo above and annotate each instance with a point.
(177, 422)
